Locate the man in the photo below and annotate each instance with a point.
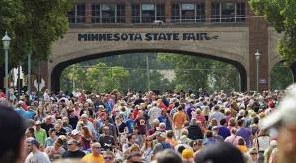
(161, 145)
(223, 130)
(244, 132)
(194, 131)
(179, 119)
(51, 139)
(154, 113)
(66, 125)
(282, 124)
(30, 113)
(107, 141)
(131, 138)
(73, 150)
(135, 158)
(35, 155)
(12, 127)
(84, 121)
(108, 157)
(20, 110)
(47, 124)
(218, 138)
(73, 119)
(216, 114)
(95, 155)
(40, 133)
(59, 130)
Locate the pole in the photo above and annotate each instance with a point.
(6, 74)
(148, 74)
(19, 81)
(257, 74)
(29, 73)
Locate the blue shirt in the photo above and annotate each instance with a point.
(130, 124)
(29, 114)
(164, 119)
(224, 132)
(20, 111)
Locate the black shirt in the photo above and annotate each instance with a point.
(76, 154)
(107, 142)
(46, 127)
(73, 121)
(61, 132)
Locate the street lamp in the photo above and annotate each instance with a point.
(257, 57)
(6, 42)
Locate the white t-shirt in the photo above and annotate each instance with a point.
(37, 157)
(263, 143)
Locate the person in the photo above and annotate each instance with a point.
(223, 130)
(161, 145)
(130, 141)
(268, 151)
(194, 131)
(35, 155)
(51, 139)
(12, 137)
(40, 133)
(73, 150)
(220, 153)
(179, 119)
(253, 153)
(241, 145)
(216, 114)
(107, 141)
(85, 122)
(261, 143)
(244, 132)
(108, 156)
(168, 156)
(135, 158)
(233, 138)
(147, 150)
(95, 155)
(55, 151)
(86, 138)
(47, 124)
(216, 136)
(188, 156)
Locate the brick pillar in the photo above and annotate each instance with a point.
(128, 12)
(208, 11)
(168, 10)
(258, 39)
(88, 12)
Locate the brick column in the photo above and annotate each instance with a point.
(168, 10)
(258, 39)
(128, 11)
(208, 11)
(88, 12)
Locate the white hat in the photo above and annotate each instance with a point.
(74, 132)
(286, 112)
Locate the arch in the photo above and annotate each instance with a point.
(57, 69)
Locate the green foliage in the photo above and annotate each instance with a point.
(98, 78)
(33, 25)
(281, 15)
(281, 77)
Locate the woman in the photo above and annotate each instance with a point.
(86, 138)
(39, 115)
(30, 132)
(147, 150)
(253, 155)
(56, 151)
(108, 156)
(231, 123)
(268, 151)
(261, 143)
(121, 127)
(200, 117)
(242, 145)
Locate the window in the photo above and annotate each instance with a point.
(136, 13)
(80, 11)
(120, 13)
(176, 13)
(108, 13)
(71, 16)
(200, 13)
(148, 13)
(160, 12)
(228, 12)
(188, 13)
(240, 12)
(215, 11)
(95, 13)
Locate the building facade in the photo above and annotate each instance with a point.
(225, 30)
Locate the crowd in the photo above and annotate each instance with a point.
(147, 127)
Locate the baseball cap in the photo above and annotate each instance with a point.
(163, 135)
(38, 123)
(74, 132)
(33, 141)
(12, 127)
(286, 112)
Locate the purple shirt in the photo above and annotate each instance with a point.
(224, 132)
(245, 133)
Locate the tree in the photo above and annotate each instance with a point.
(281, 77)
(33, 25)
(281, 15)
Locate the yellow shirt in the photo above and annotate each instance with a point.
(179, 119)
(243, 148)
(93, 159)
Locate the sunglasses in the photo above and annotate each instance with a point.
(70, 144)
(253, 153)
(148, 140)
(108, 158)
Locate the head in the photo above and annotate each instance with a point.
(13, 128)
(254, 154)
(30, 132)
(72, 145)
(58, 143)
(52, 132)
(168, 156)
(161, 137)
(135, 158)
(134, 149)
(131, 138)
(32, 145)
(84, 118)
(38, 125)
(282, 124)
(106, 130)
(108, 157)
(96, 148)
(75, 134)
